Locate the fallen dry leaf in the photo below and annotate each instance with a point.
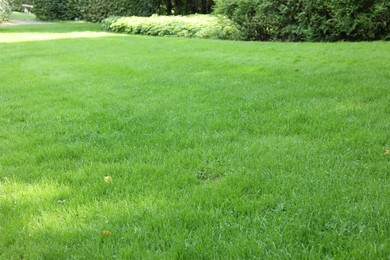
(107, 179)
(386, 152)
(106, 233)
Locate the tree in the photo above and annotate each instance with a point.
(184, 7)
(5, 10)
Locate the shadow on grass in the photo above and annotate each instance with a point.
(48, 220)
(21, 203)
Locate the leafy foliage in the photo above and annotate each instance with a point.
(59, 9)
(16, 5)
(194, 26)
(308, 20)
(97, 10)
(184, 7)
(5, 10)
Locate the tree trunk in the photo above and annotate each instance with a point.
(169, 7)
(204, 7)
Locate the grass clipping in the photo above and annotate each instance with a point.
(193, 26)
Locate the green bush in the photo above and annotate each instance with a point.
(309, 20)
(47, 9)
(92, 10)
(97, 10)
(5, 10)
(59, 9)
(194, 26)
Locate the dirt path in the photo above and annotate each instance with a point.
(20, 22)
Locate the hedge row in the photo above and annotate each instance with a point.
(194, 26)
(286, 20)
(59, 9)
(91, 10)
(97, 10)
(309, 20)
(5, 10)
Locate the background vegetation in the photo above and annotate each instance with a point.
(97, 10)
(194, 26)
(308, 20)
(17, 4)
(282, 20)
(5, 10)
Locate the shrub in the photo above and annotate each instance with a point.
(92, 10)
(194, 26)
(47, 9)
(97, 10)
(59, 9)
(309, 20)
(5, 10)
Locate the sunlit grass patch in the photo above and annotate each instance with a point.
(17, 37)
(22, 16)
(55, 31)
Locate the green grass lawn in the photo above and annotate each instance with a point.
(216, 149)
(22, 16)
